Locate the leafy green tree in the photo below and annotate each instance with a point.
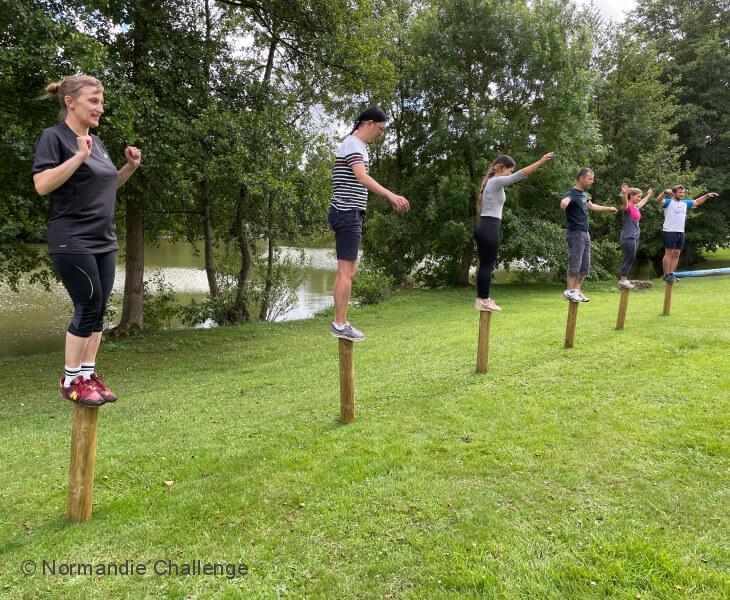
(38, 44)
(693, 50)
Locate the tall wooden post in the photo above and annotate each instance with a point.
(83, 461)
(667, 299)
(622, 308)
(347, 381)
(485, 319)
(570, 327)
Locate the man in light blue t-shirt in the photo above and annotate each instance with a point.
(675, 215)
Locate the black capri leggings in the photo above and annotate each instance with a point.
(629, 247)
(487, 236)
(89, 279)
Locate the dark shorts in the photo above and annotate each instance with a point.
(579, 252)
(673, 239)
(347, 225)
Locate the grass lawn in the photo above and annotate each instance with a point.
(597, 472)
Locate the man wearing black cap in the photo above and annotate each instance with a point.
(350, 185)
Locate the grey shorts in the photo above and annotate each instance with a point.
(347, 225)
(579, 252)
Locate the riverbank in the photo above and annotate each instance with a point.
(596, 472)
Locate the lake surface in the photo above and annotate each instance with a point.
(34, 320)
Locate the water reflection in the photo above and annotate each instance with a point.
(35, 321)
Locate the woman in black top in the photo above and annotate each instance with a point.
(73, 168)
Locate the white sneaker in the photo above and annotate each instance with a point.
(581, 297)
(571, 295)
(625, 284)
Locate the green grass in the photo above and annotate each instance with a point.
(597, 472)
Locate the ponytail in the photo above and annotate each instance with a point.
(504, 160)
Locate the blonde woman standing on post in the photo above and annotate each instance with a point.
(73, 168)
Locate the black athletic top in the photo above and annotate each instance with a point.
(577, 211)
(81, 211)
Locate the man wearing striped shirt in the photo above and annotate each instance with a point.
(350, 185)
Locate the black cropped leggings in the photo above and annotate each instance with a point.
(487, 236)
(89, 279)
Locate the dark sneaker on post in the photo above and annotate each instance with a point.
(669, 278)
(82, 391)
(104, 391)
(348, 332)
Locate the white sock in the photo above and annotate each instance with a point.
(339, 327)
(87, 369)
(71, 373)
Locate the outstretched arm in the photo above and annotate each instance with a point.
(702, 199)
(602, 208)
(536, 165)
(399, 203)
(624, 196)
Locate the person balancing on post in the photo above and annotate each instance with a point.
(350, 185)
(631, 205)
(492, 199)
(675, 214)
(73, 168)
(576, 206)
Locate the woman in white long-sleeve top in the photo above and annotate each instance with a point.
(499, 175)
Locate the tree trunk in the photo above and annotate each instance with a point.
(132, 320)
(266, 298)
(240, 309)
(210, 266)
(465, 265)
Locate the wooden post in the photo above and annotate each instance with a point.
(667, 299)
(485, 319)
(622, 308)
(347, 381)
(83, 460)
(570, 327)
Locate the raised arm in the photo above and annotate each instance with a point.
(536, 165)
(399, 203)
(52, 179)
(134, 157)
(624, 196)
(645, 199)
(664, 194)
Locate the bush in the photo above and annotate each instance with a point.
(372, 285)
(160, 302)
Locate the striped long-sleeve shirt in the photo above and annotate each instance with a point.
(347, 192)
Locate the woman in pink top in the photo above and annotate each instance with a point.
(632, 202)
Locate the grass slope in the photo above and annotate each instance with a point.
(597, 472)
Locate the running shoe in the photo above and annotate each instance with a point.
(104, 391)
(571, 295)
(626, 285)
(82, 391)
(581, 297)
(487, 304)
(670, 278)
(348, 332)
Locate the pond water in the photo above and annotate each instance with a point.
(34, 320)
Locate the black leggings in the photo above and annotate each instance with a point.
(89, 279)
(629, 247)
(487, 236)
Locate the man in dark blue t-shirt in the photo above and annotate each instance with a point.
(576, 205)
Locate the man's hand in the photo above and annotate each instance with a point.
(399, 203)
